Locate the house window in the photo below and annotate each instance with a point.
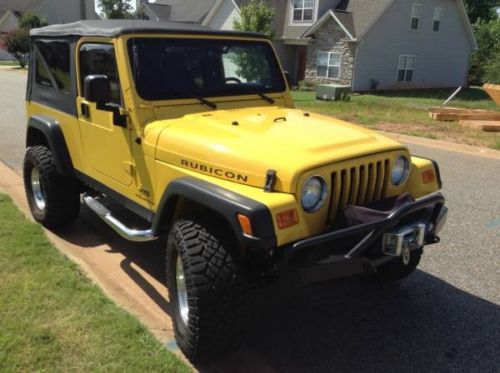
(303, 10)
(416, 10)
(406, 68)
(328, 65)
(437, 19)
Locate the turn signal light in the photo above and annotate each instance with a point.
(245, 224)
(428, 176)
(287, 218)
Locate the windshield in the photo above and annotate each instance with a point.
(182, 68)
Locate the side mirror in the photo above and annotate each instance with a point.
(288, 78)
(96, 88)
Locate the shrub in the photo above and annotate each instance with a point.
(306, 86)
(18, 44)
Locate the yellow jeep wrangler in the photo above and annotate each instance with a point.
(195, 132)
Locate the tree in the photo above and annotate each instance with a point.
(256, 16)
(116, 9)
(30, 20)
(492, 69)
(140, 14)
(488, 40)
(481, 9)
(18, 44)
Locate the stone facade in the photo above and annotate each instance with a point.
(330, 38)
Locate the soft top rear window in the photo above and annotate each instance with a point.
(165, 68)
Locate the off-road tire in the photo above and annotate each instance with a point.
(395, 270)
(214, 288)
(61, 194)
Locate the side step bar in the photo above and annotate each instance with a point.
(120, 228)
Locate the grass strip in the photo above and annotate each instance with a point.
(53, 318)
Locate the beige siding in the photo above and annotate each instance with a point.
(225, 16)
(442, 58)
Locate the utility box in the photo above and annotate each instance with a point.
(333, 92)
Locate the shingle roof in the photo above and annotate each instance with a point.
(364, 13)
(193, 11)
(115, 27)
(21, 5)
(347, 19)
(162, 12)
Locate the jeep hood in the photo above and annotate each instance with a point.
(243, 144)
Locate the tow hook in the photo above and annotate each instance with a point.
(405, 255)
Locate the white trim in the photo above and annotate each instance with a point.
(341, 25)
(405, 68)
(211, 14)
(43, 5)
(291, 22)
(322, 20)
(418, 16)
(360, 36)
(436, 17)
(303, 41)
(468, 26)
(328, 66)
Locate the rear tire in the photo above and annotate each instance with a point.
(395, 270)
(54, 200)
(211, 288)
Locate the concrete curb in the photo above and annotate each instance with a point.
(84, 247)
(108, 264)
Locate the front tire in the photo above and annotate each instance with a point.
(205, 286)
(54, 200)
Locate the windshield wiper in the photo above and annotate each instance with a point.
(206, 102)
(259, 93)
(264, 97)
(203, 100)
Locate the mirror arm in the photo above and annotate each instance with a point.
(119, 114)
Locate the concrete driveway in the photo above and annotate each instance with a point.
(444, 318)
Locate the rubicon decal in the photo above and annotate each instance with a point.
(214, 171)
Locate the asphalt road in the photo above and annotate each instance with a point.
(446, 317)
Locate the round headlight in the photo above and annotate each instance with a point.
(400, 170)
(314, 194)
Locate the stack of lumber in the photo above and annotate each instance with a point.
(484, 125)
(485, 120)
(494, 91)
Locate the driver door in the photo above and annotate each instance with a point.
(106, 145)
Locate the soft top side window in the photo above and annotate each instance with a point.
(100, 59)
(54, 56)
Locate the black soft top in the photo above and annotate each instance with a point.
(114, 28)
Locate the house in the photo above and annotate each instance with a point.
(217, 14)
(367, 44)
(370, 44)
(53, 11)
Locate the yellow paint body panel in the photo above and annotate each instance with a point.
(232, 147)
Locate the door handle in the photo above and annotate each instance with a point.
(85, 110)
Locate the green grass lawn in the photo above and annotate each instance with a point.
(8, 63)
(52, 318)
(406, 112)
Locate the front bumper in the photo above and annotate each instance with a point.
(318, 258)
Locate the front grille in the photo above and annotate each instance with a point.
(358, 185)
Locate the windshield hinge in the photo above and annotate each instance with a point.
(270, 181)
